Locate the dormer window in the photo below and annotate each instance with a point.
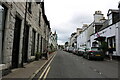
(110, 19)
(113, 16)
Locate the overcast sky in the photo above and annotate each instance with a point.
(67, 15)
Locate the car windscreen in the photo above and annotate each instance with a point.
(94, 49)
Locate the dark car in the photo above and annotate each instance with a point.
(94, 53)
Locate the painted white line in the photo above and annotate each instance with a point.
(40, 68)
(46, 68)
(46, 73)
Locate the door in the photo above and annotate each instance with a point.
(33, 43)
(16, 43)
(25, 43)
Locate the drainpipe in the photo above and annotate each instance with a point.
(1, 14)
(119, 33)
(22, 65)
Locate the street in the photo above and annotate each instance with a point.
(68, 65)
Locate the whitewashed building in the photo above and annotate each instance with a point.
(109, 33)
(83, 40)
(102, 30)
(73, 38)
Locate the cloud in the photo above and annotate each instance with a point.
(64, 31)
(65, 15)
(80, 19)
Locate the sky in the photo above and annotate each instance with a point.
(67, 15)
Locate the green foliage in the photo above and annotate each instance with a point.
(52, 49)
(37, 55)
(104, 46)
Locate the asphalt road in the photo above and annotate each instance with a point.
(68, 65)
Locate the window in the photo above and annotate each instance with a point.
(39, 18)
(3, 13)
(110, 19)
(29, 7)
(33, 42)
(112, 42)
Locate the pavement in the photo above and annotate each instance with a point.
(29, 69)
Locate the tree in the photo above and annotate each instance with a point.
(104, 46)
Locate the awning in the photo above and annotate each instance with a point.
(95, 42)
(101, 38)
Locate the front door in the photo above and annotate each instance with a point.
(25, 43)
(16, 43)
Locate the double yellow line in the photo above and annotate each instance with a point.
(46, 70)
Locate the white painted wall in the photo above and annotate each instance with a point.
(82, 39)
(109, 32)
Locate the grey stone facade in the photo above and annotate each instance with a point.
(32, 35)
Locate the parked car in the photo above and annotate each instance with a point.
(70, 49)
(80, 51)
(94, 53)
(75, 51)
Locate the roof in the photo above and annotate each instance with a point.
(105, 25)
(44, 16)
(112, 11)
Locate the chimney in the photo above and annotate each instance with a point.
(98, 16)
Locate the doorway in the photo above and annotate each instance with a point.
(33, 43)
(25, 43)
(16, 43)
(41, 45)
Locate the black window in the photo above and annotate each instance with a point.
(29, 7)
(39, 18)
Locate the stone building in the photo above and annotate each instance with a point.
(24, 31)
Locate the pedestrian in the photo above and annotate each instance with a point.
(110, 50)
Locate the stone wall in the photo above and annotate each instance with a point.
(32, 20)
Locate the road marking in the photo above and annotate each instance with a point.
(31, 77)
(46, 68)
(46, 73)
